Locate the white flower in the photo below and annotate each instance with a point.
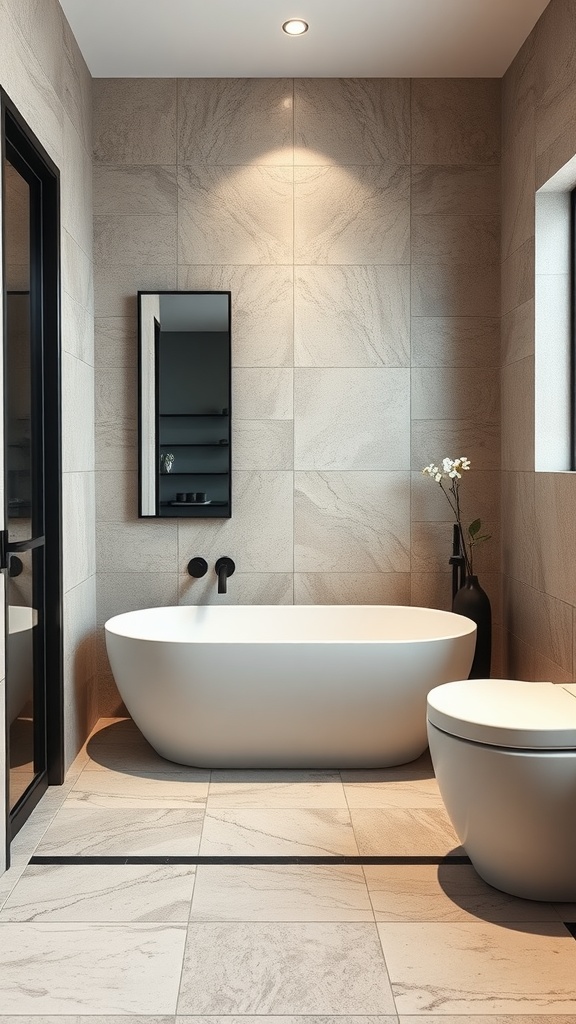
(438, 477)
(464, 463)
(454, 474)
(447, 465)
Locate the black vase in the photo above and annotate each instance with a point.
(474, 602)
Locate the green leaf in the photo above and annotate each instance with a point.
(475, 527)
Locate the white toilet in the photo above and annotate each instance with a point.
(504, 753)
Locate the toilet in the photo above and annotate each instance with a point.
(504, 753)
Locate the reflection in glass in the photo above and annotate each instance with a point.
(185, 404)
(22, 618)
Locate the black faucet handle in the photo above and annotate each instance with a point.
(224, 568)
(197, 567)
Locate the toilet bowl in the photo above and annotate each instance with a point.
(504, 754)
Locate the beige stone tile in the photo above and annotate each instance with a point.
(351, 588)
(518, 332)
(432, 548)
(226, 121)
(444, 893)
(258, 537)
(116, 397)
(77, 329)
(105, 893)
(76, 92)
(518, 188)
(351, 121)
(455, 121)
(351, 522)
(116, 288)
(283, 831)
(261, 296)
(42, 26)
(135, 240)
(186, 788)
(263, 444)
(351, 215)
(432, 439)
(79, 661)
(118, 831)
(555, 496)
(77, 271)
(135, 120)
(120, 592)
(498, 1018)
(456, 190)
(455, 341)
(306, 968)
(452, 240)
(265, 393)
(518, 415)
(121, 190)
(137, 547)
(352, 316)
(476, 396)
(555, 85)
(76, 187)
(486, 966)
(79, 559)
(100, 968)
(401, 832)
(518, 92)
(251, 588)
(280, 892)
(237, 215)
(77, 407)
(399, 789)
(518, 277)
(351, 419)
(116, 495)
(479, 497)
(521, 556)
(117, 446)
(118, 746)
(262, 789)
(539, 620)
(455, 291)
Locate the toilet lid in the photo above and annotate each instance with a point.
(506, 712)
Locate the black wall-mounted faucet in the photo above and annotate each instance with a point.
(224, 568)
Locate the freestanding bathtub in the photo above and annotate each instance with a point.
(294, 686)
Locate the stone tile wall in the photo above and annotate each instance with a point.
(356, 223)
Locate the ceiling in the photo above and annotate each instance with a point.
(347, 38)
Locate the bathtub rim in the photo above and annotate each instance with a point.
(113, 624)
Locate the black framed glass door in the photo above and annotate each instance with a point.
(30, 545)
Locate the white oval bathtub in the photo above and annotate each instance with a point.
(286, 686)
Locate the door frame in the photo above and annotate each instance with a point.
(47, 301)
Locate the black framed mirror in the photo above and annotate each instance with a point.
(184, 390)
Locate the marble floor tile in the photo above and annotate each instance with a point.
(263, 1019)
(470, 967)
(184, 789)
(114, 831)
(498, 1018)
(284, 969)
(300, 789)
(75, 1018)
(404, 832)
(278, 831)
(11, 877)
(106, 969)
(431, 892)
(105, 893)
(403, 790)
(280, 892)
(120, 746)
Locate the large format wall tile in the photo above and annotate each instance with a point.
(518, 173)
(352, 522)
(135, 120)
(130, 591)
(124, 190)
(451, 240)
(455, 341)
(263, 444)
(540, 620)
(77, 408)
(521, 556)
(348, 215)
(352, 316)
(116, 288)
(436, 439)
(235, 215)
(235, 121)
(135, 240)
(78, 502)
(351, 120)
(518, 277)
(262, 309)
(435, 396)
(518, 414)
(351, 419)
(439, 290)
(137, 547)
(263, 393)
(456, 190)
(258, 537)
(518, 329)
(455, 121)
(479, 496)
(247, 588)
(116, 341)
(351, 588)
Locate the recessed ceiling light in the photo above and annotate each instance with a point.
(295, 27)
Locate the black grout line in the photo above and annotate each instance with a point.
(175, 859)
